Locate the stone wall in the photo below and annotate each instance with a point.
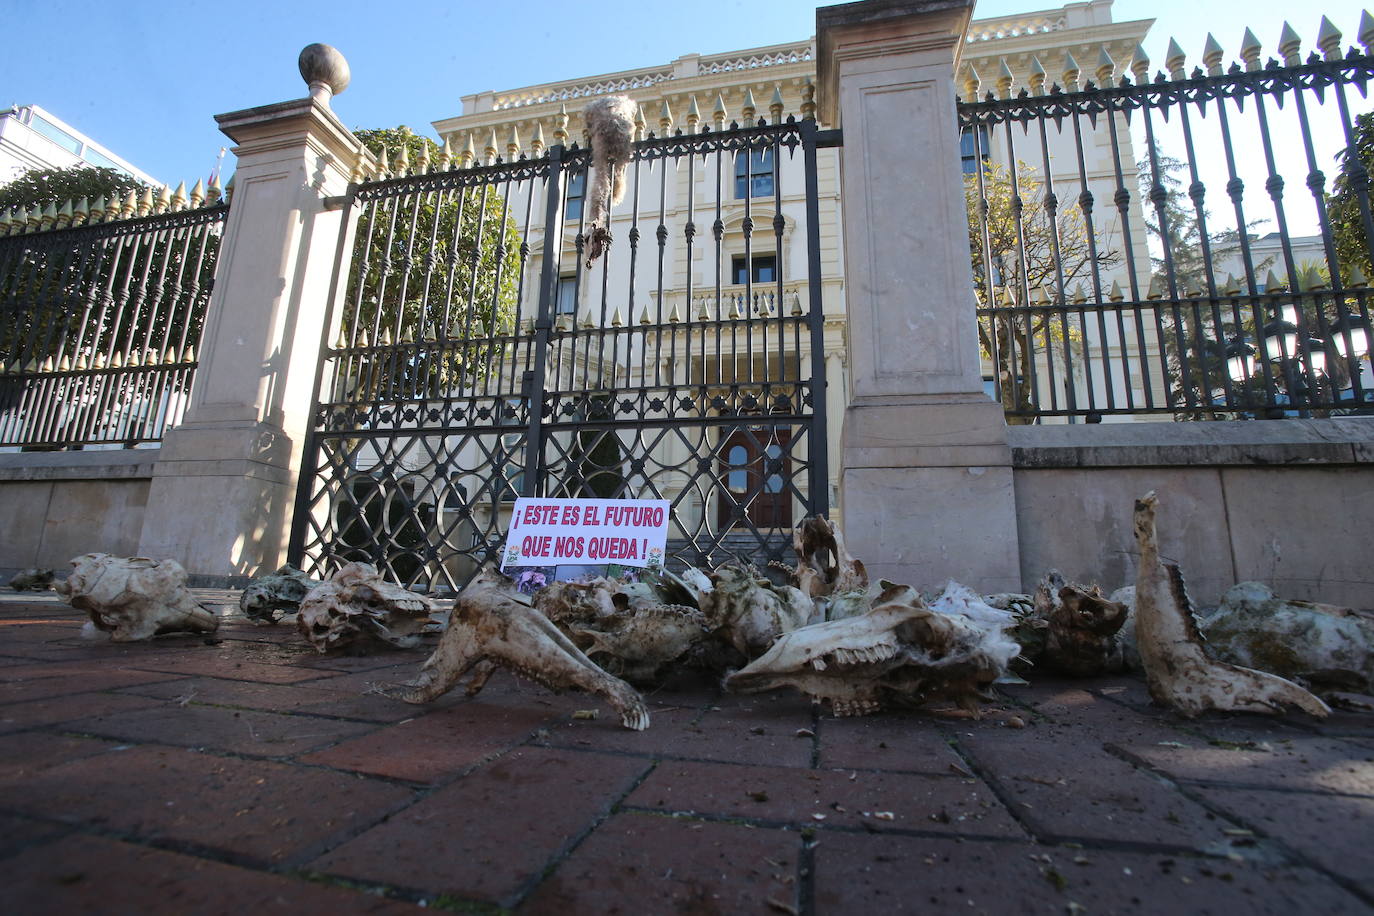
(58, 505)
(1289, 503)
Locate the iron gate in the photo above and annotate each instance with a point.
(474, 355)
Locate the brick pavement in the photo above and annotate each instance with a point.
(209, 776)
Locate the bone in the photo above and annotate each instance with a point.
(1329, 647)
(356, 607)
(269, 598)
(491, 628)
(134, 598)
(1178, 671)
(900, 653)
(32, 579)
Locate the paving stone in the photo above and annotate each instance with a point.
(1063, 785)
(84, 874)
(795, 796)
(671, 733)
(262, 734)
(258, 810)
(1303, 763)
(231, 665)
(887, 741)
(867, 874)
(1333, 831)
(359, 682)
(88, 706)
(437, 743)
(24, 753)
(208, 691)
(636, 863)
(85, 677)
(20, 833)
(492, 833)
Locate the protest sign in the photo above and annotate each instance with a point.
(586, 532)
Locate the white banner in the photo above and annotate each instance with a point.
(586, 532)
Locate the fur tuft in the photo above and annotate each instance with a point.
(611, 129)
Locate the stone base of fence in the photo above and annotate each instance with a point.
(1286, 502)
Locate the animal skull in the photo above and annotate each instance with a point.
(900, 652)
(357, 604)
(750, 612)
(492, 627)
(134, 598)
(282, 591)
(1071, 629)
(32, 579)
(1177, 670)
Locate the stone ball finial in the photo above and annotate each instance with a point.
(324, 70)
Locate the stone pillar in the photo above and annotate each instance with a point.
(926, 471)
(225, 482)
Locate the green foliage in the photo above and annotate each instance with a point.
(1343, 206)
(40, 187)
(435, 273)
(1034, 254)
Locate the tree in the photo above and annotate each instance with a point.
(40, 187)
(1196, 334)
(1343, 205)
(1032, 252)
(435, 273)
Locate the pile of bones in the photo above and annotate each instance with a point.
(854, 645)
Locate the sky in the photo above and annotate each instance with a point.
(146, 77)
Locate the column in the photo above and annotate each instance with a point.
(926, 472)
(225, 482)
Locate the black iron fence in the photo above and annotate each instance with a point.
(101, 308)
(477, 354)
(1133, 241)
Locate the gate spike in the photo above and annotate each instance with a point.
(65, 365)
(693, 115)
(1357, 278)
(560, 126)
(1231, 287)
(1250, 49)
(489, 151)
(665, 119)
(1366, 32)
(470, 152)
(1079, 296)
(1037, 76)
(615, 318)
(386, 337)
(47, 364)
(808, 102)
(513, 144)
(1116, 294)
(748, 109)
(1005, 80)
(179, 198)
(4, 222)
(1176, 61)
(48, 217)
(189, 356)
(644, 314)
(1329, 40)
(1105, 68)
(400, 166)
(796, 304)
(719, 114)
(674, 317)
(145, 202)
(1139, 65)
(99, 361)
(587, 323)
(1212, 55)
(164, 200)
(446, 154)
(537, 142)
(775, 107)
(80, 216)
(971, 83)
(1290, 46)
(116, 361)
(81, 363)
(64, 216)
(197, 198)
(641, 126)
(1071, 72)
(703, 314)
(736, 313)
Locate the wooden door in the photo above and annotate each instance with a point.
(756, 465)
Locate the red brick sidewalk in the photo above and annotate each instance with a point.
(252, 775)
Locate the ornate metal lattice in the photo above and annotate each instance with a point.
(475, 355)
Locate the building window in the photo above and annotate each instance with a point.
(577, 193)
(754, 174)
(969, 153)
(566, 304)
(56, 134)
(765, 269)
